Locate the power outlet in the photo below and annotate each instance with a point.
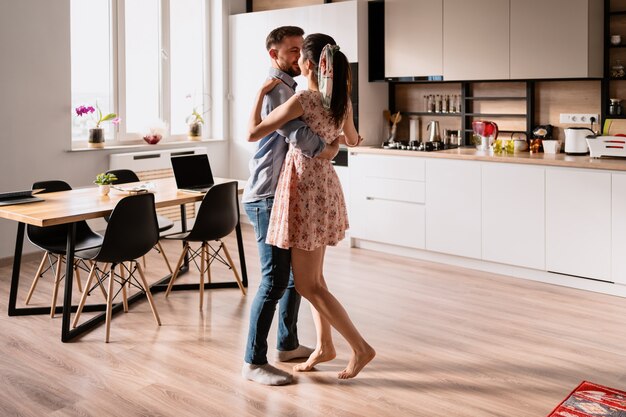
(582, 118)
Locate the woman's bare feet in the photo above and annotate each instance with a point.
(357, 363)
(319, 355)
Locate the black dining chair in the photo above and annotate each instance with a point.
(125, 176)
(217, 217)
(132, 232)
(53, 240)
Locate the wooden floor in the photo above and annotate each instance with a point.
(450, 342)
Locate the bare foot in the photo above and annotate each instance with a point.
(319, 355)
(357, 363)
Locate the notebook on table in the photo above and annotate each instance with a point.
(193, 173)
(19, 197)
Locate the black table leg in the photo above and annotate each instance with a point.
(242, 257)
(17, 263)
(69, 278)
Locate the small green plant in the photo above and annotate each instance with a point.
(105, 179)
(195, 117)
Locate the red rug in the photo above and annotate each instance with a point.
(592, 400)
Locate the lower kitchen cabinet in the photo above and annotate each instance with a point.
(618, 228)
(453, 209)
(578, 222)
(513, 214)
(387, 199)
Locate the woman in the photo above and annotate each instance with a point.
(309, 208)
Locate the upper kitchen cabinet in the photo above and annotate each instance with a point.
(476, 39)
(556, 39)
(413, 38)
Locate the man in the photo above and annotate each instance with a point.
(277, 286)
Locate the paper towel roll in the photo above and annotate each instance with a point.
(413, 128)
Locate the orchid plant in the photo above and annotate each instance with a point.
(83, 110)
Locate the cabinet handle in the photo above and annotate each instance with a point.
(369, 198)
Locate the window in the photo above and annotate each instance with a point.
(142, 59)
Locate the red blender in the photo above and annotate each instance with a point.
(488, 132)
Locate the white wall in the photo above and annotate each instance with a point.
(35, 106)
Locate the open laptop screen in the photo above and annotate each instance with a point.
(192, 171)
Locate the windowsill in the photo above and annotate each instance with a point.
(145, 146)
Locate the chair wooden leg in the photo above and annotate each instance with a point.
(202, 260)
(146, 287)
(109, 304)
(55, 291)
(36, 279)
(232, 265)
(83, 297)
(77, 274)
(178, 265)
(167, 262)
(124, 294)
(208, 262)
(143, 258)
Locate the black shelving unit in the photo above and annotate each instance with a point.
(467, 113)
(607, 80)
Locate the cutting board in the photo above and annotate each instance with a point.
(614, 126)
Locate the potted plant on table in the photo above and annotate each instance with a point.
(104, 182)
(96, 134)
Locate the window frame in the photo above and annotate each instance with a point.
(117, 53)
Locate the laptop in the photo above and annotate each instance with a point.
(19, 197)
(192, 173)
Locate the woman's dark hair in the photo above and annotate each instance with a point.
(342, 81)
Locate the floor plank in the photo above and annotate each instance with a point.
(450, 342)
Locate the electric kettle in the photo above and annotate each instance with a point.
(576, 140)
(433, 129)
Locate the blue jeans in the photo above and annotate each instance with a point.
(276, 287)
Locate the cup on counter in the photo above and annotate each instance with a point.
(551, 146)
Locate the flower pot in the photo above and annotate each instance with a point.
(195, 131)
(104, 189)
(96, 138)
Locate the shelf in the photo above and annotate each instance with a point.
(617, 46)
(495, 115)
(618, 13)
(423, 113)
(496, 98)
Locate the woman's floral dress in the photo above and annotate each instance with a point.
(309, 208)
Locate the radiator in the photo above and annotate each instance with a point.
(154, 165)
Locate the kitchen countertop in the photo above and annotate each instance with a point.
(472, 154)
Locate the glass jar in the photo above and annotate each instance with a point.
(615, 108)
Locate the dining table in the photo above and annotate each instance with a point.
(69, 207)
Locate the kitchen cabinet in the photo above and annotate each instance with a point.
(387, 197)
(513, 215)
(578, 223)
(556, 39)
(476, 40)
(618, 228)
(413, 38)
(453, 209)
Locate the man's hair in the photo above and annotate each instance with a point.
(277, 35)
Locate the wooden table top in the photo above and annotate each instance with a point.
(87, 203)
